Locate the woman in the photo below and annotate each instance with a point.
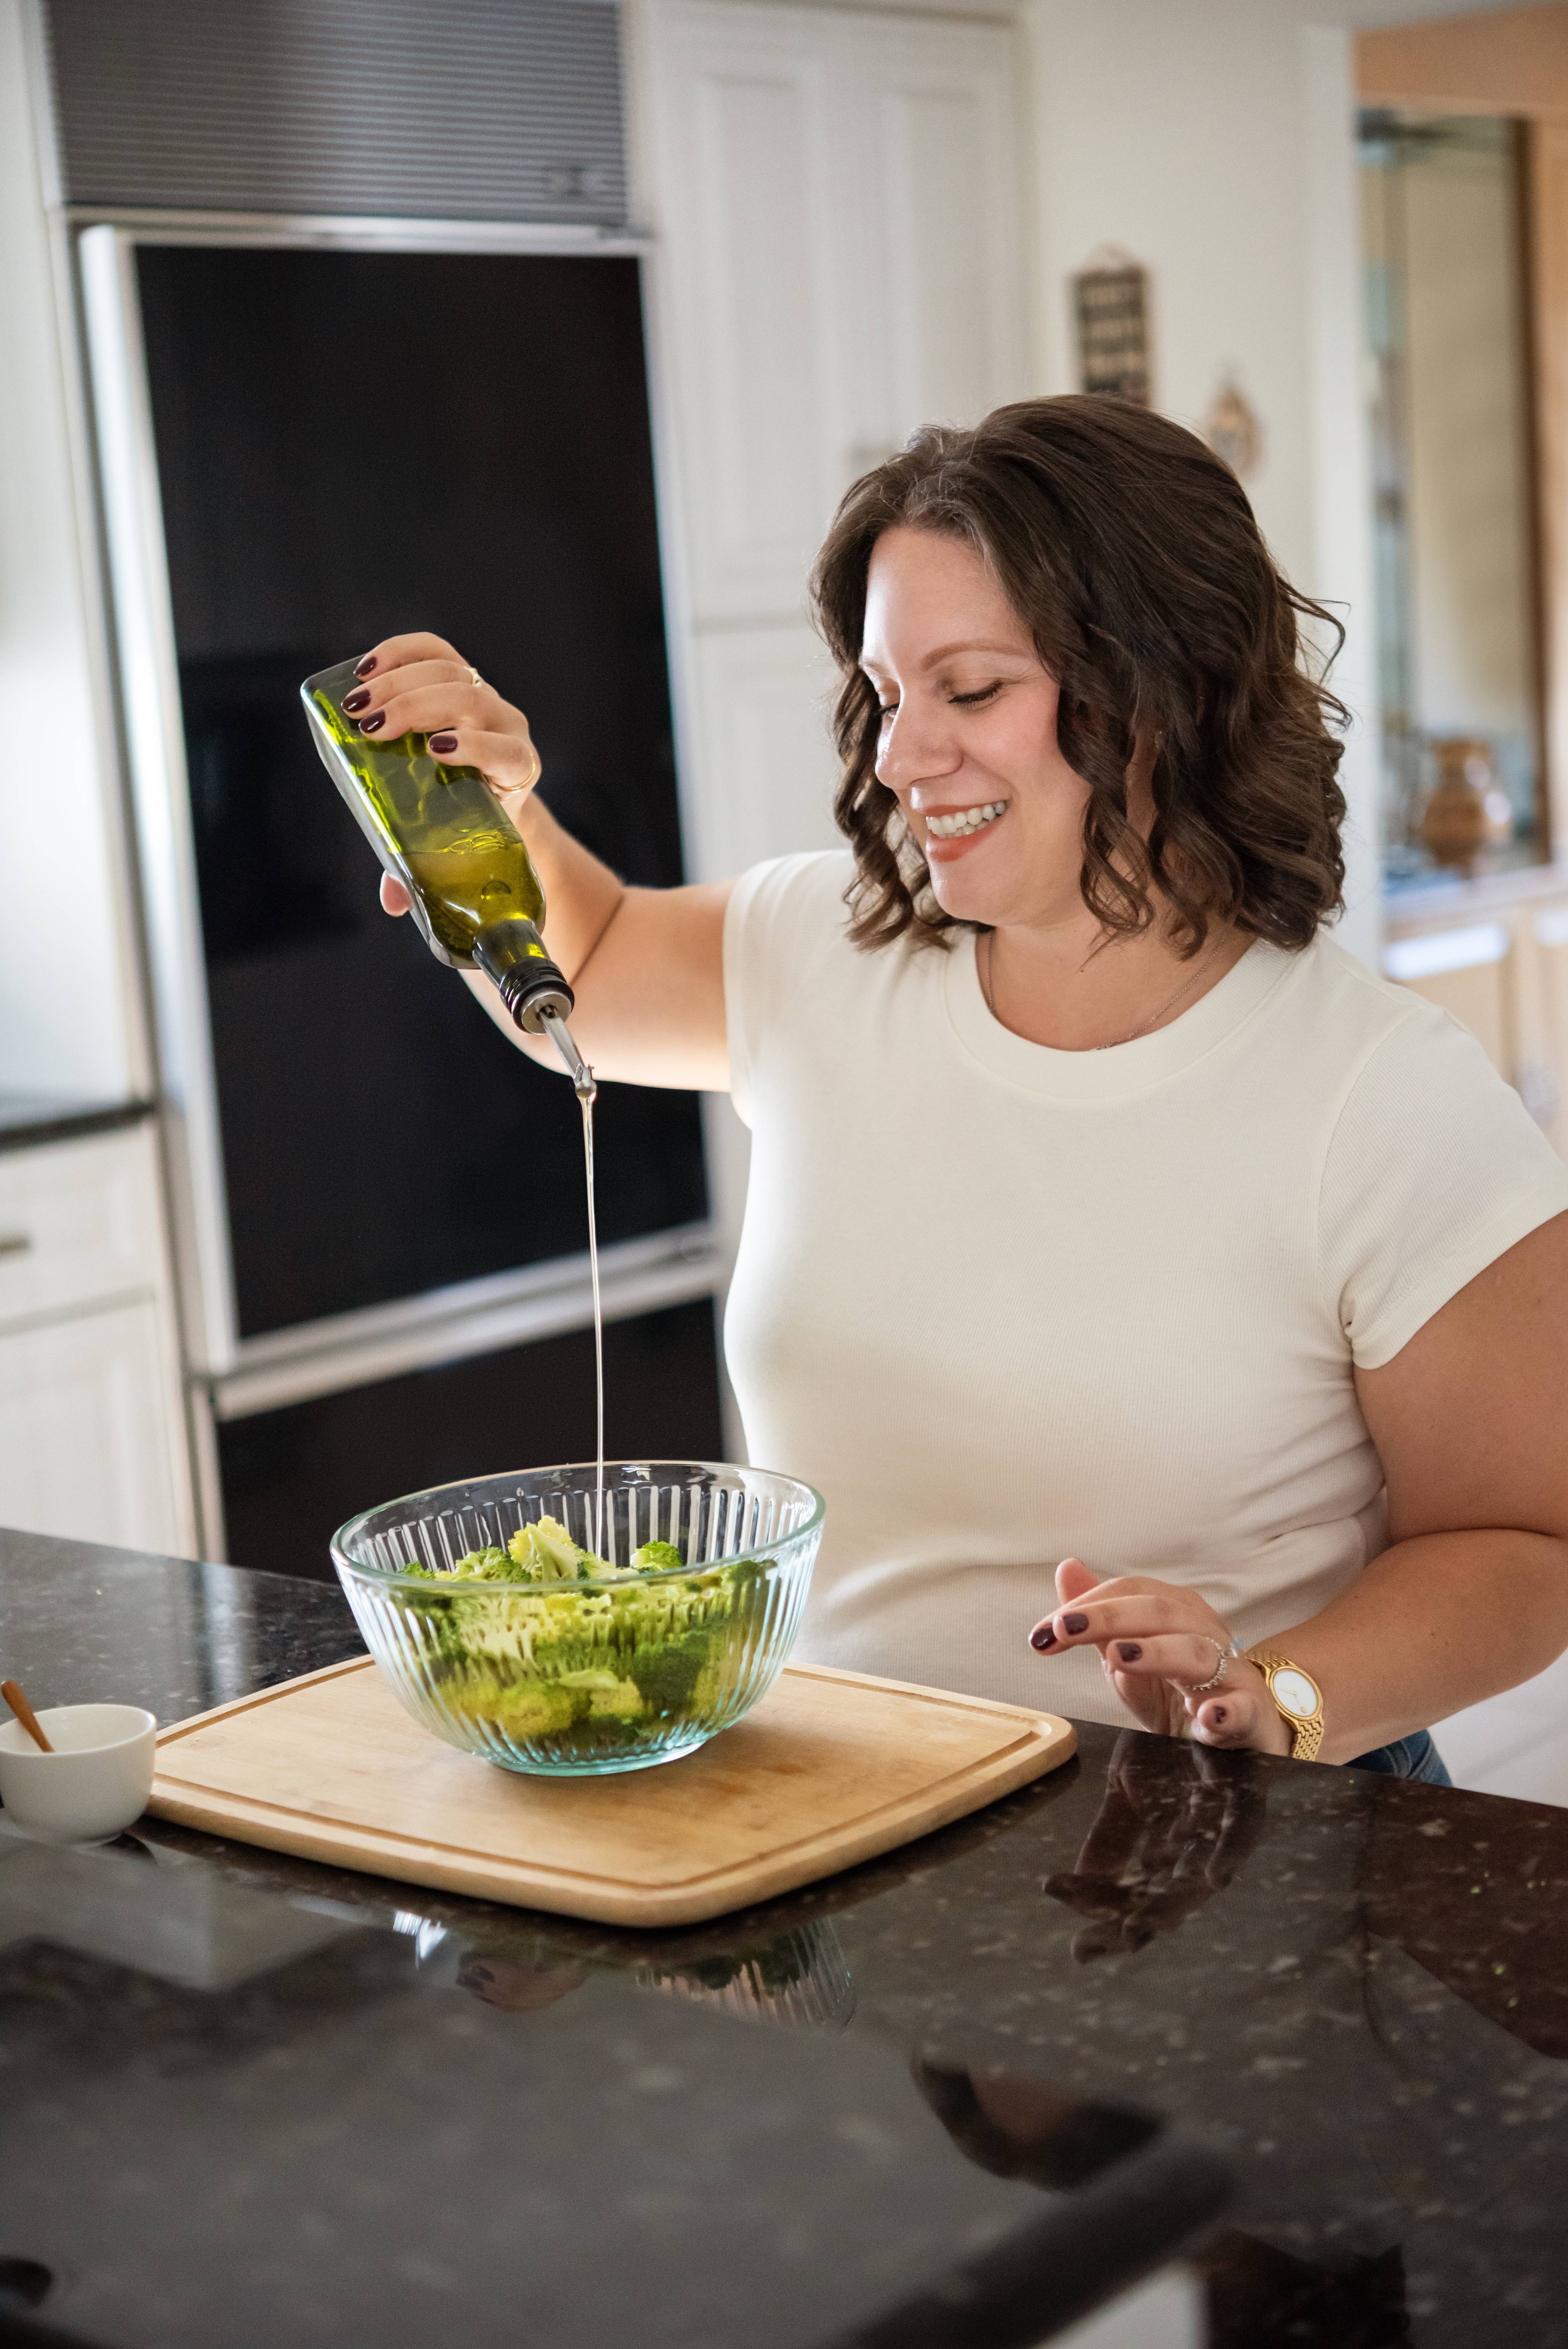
(1101, 1208)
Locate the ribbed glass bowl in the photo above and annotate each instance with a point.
(568, 1679)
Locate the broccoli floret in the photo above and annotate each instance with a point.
(474, 1566)
(546, 1656)
(668, 1671)
(546, 1552)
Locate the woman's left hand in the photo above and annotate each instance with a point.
(1156, 1642)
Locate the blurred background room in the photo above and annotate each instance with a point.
(560, 328)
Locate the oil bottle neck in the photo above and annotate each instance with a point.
(535, 989)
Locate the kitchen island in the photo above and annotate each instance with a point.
(250, 2099)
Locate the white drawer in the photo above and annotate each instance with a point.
(78, 1224)
(86, 1446)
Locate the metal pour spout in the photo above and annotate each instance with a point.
(582, 1080)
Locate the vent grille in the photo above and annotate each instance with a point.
(442, 109)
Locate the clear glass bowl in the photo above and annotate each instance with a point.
(572, 1678)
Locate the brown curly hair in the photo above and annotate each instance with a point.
(1132, 554)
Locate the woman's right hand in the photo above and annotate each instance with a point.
(647, 964)
(422, 684)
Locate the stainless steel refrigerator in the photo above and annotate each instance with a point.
(312, 431)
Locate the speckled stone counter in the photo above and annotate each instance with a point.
(248, 2099)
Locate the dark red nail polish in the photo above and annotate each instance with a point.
(446, 741)
(1218, 1716)
(1075, 1622)
(356, 700)
(1129, 1651)
(365, 666)
(376, 717)
(1042, 1637)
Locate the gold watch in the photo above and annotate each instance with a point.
(1299, 1700)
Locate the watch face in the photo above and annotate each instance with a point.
(1295, 1692)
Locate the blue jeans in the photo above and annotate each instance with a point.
(1408, 1757)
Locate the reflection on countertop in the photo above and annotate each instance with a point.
(1347, 1988)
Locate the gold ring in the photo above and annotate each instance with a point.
(474, 677)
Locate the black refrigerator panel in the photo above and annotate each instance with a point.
(351, 445)
(291, 1476)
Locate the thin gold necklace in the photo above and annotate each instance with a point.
(1152, 1021)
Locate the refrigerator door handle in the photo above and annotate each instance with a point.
(474, 1318)
(155, 737)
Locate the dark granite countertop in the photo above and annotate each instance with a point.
(249, 2099)
(27, 1120)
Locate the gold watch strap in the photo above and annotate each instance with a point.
(1307, 1728)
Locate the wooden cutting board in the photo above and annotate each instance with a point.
(829, 1768)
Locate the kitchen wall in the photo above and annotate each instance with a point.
(1213, 141)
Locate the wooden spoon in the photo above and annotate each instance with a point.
(25, 1714)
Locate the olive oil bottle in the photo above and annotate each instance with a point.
(440, 831)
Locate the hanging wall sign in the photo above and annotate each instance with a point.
(1111, 307)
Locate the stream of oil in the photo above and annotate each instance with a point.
(587, 1091)
(586, 1096)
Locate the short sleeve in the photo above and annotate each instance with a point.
(779, 916)
(1434, 1170)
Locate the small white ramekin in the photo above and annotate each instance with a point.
(95, 1783)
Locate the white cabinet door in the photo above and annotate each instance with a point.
(79, 1223)
(742, 141)
(768, 769)
(931, 304)
(1470, 971)
(84, 1443)
(838, 200)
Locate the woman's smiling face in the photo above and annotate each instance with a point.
(968, 740)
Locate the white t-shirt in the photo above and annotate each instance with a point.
(1005, 1305)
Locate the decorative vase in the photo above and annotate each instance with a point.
(1467, 809)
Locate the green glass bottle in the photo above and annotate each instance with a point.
(440, 831)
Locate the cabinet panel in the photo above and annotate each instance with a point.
(765, 474)
(770, 769)
(1507, 980)
(85, 1446)
(1470, 972)
(839, 196)
(744, 162)
(943, 341)
(933, 313)
(79, 1223)
(1478, 997)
